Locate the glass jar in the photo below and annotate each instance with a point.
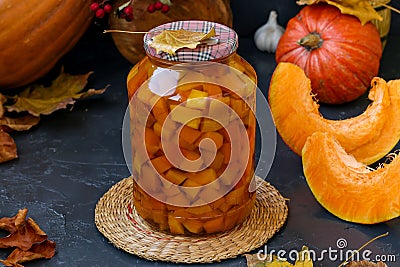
(192, 119)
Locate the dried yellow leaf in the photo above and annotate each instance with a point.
(259, 260)
(170, 41)
(362, 9)
(63, 91)
(20, 123)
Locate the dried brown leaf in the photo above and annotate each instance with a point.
(43, 250)
(27, 234)
(64, 91)
(22, 123)
(8, 148)
(170, 41)
(362, 9)
(10, 223)
(3, 100)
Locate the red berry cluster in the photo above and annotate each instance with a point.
(158, 6)
(101, 9)
(125, 13)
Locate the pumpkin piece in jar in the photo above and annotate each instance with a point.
(157, 128)
(187, 116)
(231, 217)
(176, 176)
(212, 89)
(149, 180)
(215, 162)
(189, 134)
(194, 226)
(152, 141)
(209, 125)
(161, 164)
(192, 190)
(199, 211)
(214, 225)
(179, 200)
(175, 226)
(216, 137)
(193, 160)
(160, 109)
(204, 177)
(236, 197)
(197, 99)
(240, 107)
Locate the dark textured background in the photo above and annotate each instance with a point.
(74, 156)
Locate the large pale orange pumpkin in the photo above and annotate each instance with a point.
(337, 53)
(35, 34)
(368, 137)
(347, 188)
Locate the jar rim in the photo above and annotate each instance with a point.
(226, 46)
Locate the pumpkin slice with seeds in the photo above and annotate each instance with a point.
(347, 188)
(295, 111)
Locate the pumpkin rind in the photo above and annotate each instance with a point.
(347, 188)
(369, 136)
(131, 45)
(342, 67)
(32, 43)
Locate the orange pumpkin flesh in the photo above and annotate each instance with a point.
(35, 34)
(347, 188)
(368, 136)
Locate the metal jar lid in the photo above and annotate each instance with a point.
(227, 42)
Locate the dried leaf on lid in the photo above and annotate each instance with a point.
(170, 41)
(362, 9)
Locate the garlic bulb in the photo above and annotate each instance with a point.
(267, 36)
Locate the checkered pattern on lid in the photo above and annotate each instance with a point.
(227, 44)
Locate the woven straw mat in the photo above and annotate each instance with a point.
(120, 223)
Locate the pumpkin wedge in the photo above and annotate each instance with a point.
(347, 188)
(369, 136)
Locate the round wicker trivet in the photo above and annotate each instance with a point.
(118, 221)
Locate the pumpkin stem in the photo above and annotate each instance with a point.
(311, 41)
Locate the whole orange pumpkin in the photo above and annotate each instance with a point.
(35, 34)
(337, 53)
